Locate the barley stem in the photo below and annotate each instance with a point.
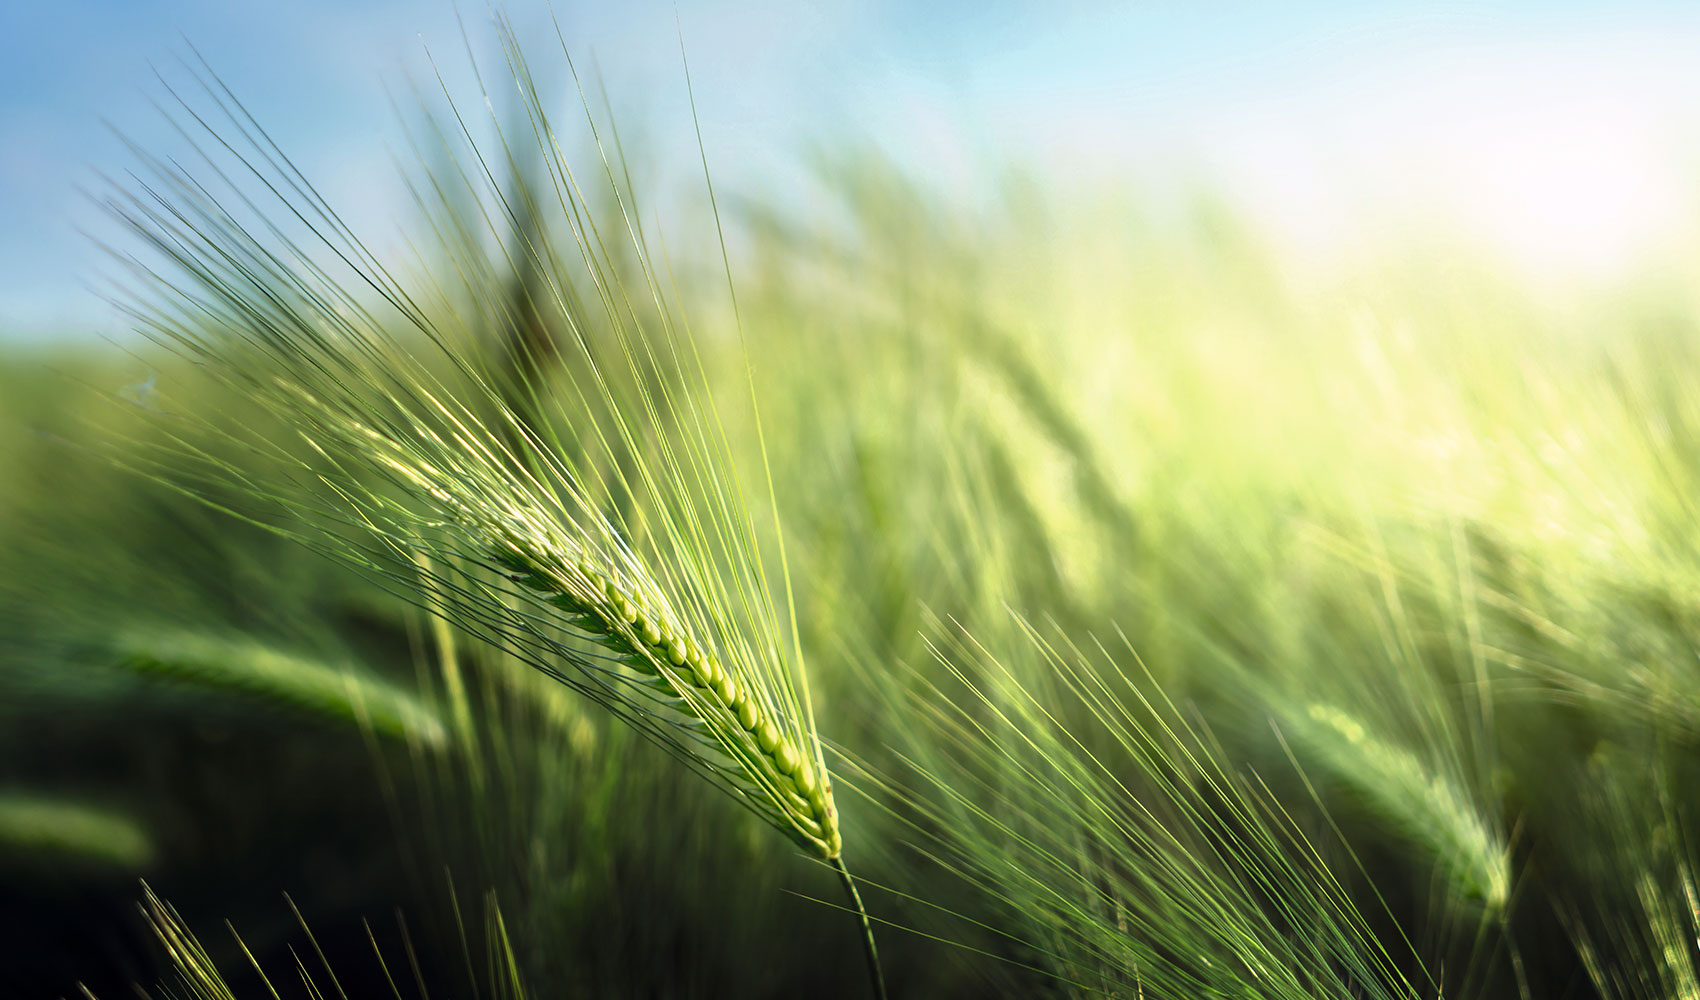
(875, 975)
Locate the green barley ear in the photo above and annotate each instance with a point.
(1421, 804)
(59, 830)
(599, 532)
(635, 623)
(608, 506)
(266, 673)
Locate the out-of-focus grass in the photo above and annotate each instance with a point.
(1405, 559)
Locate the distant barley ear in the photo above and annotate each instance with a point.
(264, 672)
(1425, 806)
(647, 638)
(33, 827)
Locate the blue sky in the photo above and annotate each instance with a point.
(1563, 133)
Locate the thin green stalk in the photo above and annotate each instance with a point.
(875, 974)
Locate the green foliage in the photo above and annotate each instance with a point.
(1173, 628)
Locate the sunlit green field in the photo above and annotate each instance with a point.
(1142, 620)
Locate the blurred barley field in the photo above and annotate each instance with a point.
(1131, 617)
